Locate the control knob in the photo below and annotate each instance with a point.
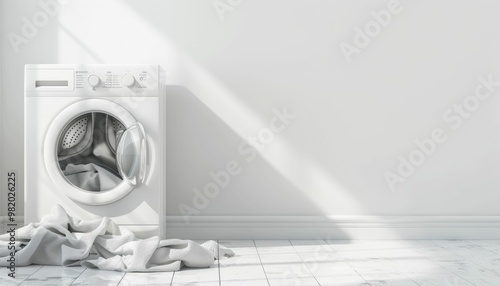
(128, 80)
(94, 80)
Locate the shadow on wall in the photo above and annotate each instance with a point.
(200, 147)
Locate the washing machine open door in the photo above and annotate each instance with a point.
(131, 154)
(96, 152)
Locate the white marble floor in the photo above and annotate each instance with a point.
(308, 262)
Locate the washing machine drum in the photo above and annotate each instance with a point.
(99, 156)
(86, 151)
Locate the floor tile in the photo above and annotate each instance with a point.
(202, 276)
(346, 244)
(155, 278)
(388, 279)
(245, 272)
(287, 271)
(483, 280)
(492, 245)
(291, 281)
(249, 259)
(331, 269)
(21, 274)
(321, 257)
(54, 275)
(343, 280)
(245, 282)
(197, 283)
(280, 258)
(310, 246)
(441, 279)
(274, 246)
(92, 277)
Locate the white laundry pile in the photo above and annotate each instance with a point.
(60, 239)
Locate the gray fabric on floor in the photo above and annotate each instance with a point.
(91, 177)
(60, 239)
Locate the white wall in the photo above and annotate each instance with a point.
(2, 206)
(353, 119)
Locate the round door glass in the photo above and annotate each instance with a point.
(86, 151)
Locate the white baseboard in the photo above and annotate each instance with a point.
(327, 227)
(335, 227)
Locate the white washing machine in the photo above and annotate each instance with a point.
(94, 143)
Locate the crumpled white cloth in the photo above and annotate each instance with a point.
(60, 239)
(91, 177)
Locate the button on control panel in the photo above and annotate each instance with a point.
(128, 80)
(94, 80)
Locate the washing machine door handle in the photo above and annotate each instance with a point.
(132, 154)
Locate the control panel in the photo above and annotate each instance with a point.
(92, 79)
